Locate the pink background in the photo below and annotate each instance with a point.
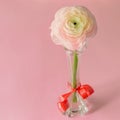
(33, 71)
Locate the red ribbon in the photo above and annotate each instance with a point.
(83, 90)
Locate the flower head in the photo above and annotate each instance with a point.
(72, 26)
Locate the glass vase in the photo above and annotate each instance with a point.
(74, 102)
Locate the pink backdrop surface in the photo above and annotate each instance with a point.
(33, 71)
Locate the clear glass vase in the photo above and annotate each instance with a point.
(77, 105)
(74, 102)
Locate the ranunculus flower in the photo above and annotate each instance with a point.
(72, 26)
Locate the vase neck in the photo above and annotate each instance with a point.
(73, 66)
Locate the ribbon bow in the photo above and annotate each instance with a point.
(83, 90)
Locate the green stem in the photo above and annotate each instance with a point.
(74, 80)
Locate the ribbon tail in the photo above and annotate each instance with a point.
(63, 104)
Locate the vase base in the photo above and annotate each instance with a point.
(81, 110)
